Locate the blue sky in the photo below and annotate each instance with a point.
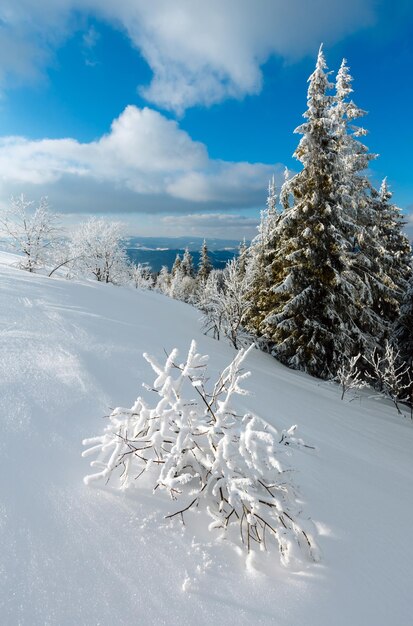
(172, 116)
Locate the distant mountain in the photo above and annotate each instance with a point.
(159, 251)
(193, 243)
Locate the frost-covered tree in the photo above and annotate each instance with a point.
(98, 247)
(183, 284)
(194, 445)
(394, 247)
(205, 265)
(402, 337)
(390, 375)
(187, 265)
(141, 276)
(243, 256)
(349, 376)
(353, 154)
(226, 311)
(285, 195)
(312, 318)
(163, 281)
(31, 231)
(367, 220)
(177, 265)
(260, 256)
(403, 327)
(183, 287)
(324, 291)
(209, 302)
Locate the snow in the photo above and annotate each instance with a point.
(77, 554)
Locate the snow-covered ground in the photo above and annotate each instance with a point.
(72, 554)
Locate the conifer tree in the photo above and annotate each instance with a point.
(363, 212)
(403, 328)
(205, 265)
(260, 255)
(394, 247)
(187, 265)
(285, 191)
(325, 283)
(243, 255)
(312, 321)
(163, 280)
(176, 267)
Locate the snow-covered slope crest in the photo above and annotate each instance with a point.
(70, 554)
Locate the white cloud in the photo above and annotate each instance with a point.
(222, 182)
(145, 163)
(29, 33)
(199, 52)
(204, 52)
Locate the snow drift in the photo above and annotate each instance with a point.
(70, 352)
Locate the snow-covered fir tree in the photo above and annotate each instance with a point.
(365, 219)
(285, 192)
(163, 281)
(394, 246)
(320, 292)
(260, 255)
(209, 302)
(187, 265)
(403, 327)
(243, 256)
(205, 265)
(183, 285)
(177, 265)
(311, 320)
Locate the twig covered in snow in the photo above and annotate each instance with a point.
(204, 454)
(390, 375)
(349, 376)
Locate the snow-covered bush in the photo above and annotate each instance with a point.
(194, 445)
(390, 375)
(349, 375)
(225, 304)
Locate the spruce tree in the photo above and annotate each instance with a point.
(163, 280)
(187, 265)
(312, 321)
(243, 256)
(176, 267)
(403, 327)
(259, 259)
(205, 265)
(394, 247)
(363, 220)
(325, 283)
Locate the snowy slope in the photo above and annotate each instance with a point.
(71, 554)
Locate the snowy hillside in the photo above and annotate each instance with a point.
(76, 554)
